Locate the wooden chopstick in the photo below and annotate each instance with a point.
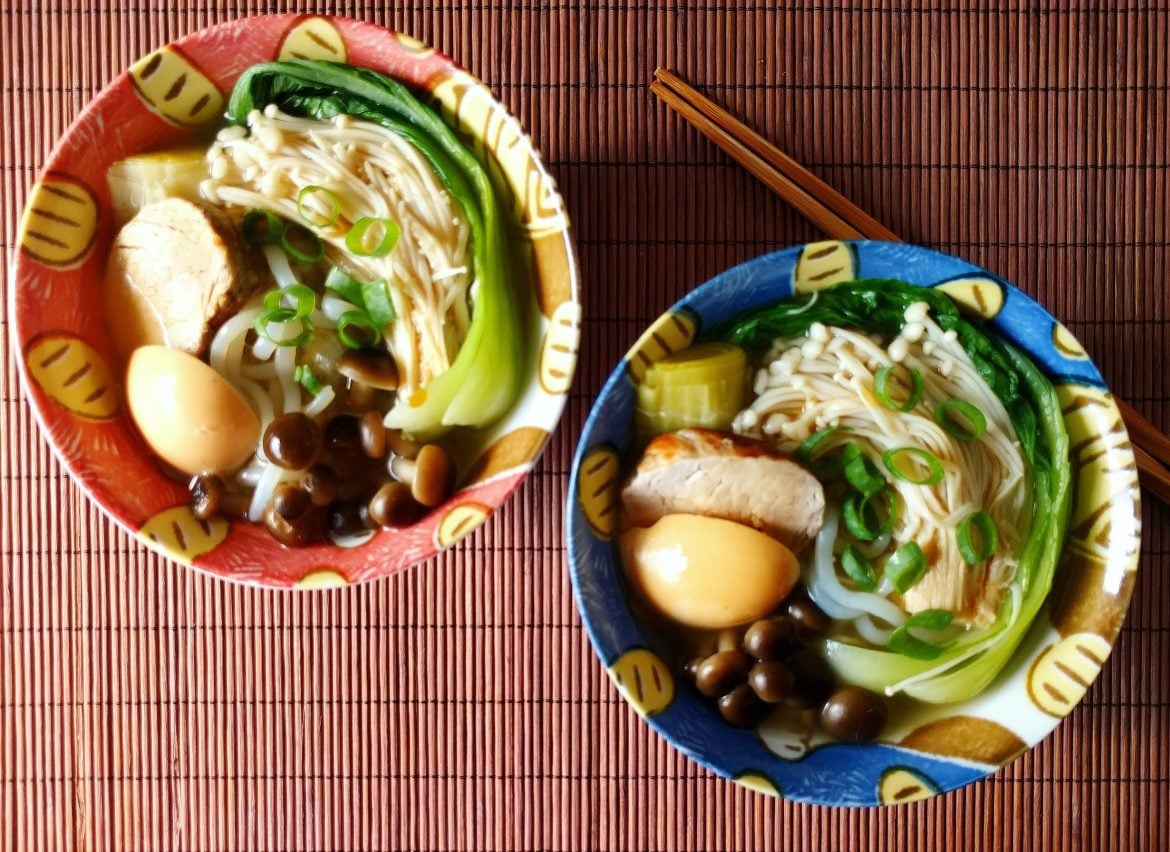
(841, 219)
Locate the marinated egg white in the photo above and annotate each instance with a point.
(190, 415)
(707, 572)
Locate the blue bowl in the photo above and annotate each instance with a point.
(933, 749)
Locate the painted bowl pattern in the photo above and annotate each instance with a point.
(925, 750)
(177, 94)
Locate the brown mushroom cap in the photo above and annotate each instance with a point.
(401, 445)
(431, 475)
(394, 506)
(373, 367)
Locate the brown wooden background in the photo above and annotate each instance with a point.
(459, 705)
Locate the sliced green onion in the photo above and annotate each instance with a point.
(858, 569)
(344, 285)
(305, 378)
(305, 298)
(933, 469)
(861, 516)
(308, 215)
(376, 297)
(807, 450)
(988, 538)
(971, 430)
(359, 237)
(360, 322)
(301, 244)
(906, 567)
(902, 642)
(861, 474)
(283, 315)
(261, 227)
(881, 388)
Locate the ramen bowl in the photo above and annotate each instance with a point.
(924, 749)
(176, 95)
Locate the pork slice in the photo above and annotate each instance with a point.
(703, 472)
(176, 272)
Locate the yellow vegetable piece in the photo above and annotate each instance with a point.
(702, 386)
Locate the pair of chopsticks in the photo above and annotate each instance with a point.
(841, 219)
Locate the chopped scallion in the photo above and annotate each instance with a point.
(261, 227)
(988, 538)
(970, 428)
(372, 236)
(906, 567)
(862, 517)
(306, 379)
(858, 569)
(356, 330)
(928, 470)
(301, 244)
(902, 642)
(881, 388)
(376, 297)
(305, 203)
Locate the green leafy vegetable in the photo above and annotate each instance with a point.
(486, 376)
(878, 306)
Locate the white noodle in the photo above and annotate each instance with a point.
(825, 379)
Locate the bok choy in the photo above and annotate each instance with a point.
(486, 375)
(967, 665)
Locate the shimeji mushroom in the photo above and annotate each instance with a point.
(430, 476)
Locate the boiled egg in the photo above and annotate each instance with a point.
(707, 572)
(190, 415)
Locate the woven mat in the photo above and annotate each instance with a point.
(459, 705)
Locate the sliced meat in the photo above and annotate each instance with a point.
(703, 472)
(176, 271)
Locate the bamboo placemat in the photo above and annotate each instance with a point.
(143, 706)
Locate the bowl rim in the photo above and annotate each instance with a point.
(40, 405)
(576, 525)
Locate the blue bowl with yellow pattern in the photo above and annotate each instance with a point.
(925, 749)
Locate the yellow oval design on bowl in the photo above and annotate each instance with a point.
(670, 333)
(758, 782)
(644, 680)
(74, 375)
(322, 578)
(60, 222)
(460, 522)
(822, 265)
(901, 784)
(1061, 675)
(598, 490)
(512, 452)
(170, 84)
(182, 535)
(1067, 345)
(558, 350)
(979, 296)
(313, 38)
(968, 738)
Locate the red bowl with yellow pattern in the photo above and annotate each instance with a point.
(175, 95)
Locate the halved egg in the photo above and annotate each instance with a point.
(189, 414)
(707, 572)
